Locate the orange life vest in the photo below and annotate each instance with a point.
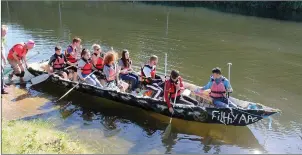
(100, 63)
(217, 90)
(20, 53)
(59, 62)
(87, 68)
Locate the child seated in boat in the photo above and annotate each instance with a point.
(85, 69)
(71, 54)
(218, 86)
(98, 61)
(171, 86)
(150, 79)
(111, 73)
(57, 63)
(127, 73)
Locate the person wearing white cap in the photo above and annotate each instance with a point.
(17, 58)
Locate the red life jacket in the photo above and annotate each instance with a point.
(218, 90)
(20, 53)
(70, 57)
(153, 71)
(87, 68)
(172, 88)
(100, 62)
(59, 62)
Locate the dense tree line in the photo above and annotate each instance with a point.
(285, 10)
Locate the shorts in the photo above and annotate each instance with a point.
(74, 69)
(60, 71)
(14, 64)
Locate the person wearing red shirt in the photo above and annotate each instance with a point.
(16, 58)
(171, 86)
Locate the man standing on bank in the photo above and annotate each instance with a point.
(17, 58)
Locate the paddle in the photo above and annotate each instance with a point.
(169, 127)
(166, 56)
(42, 77)
(74, 87)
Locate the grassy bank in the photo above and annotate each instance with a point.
(24, 137)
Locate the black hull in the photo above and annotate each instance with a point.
(227, 116)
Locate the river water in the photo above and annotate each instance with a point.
(265, 53)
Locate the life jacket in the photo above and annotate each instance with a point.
(111, 72)
(59, 62)
(217, 90)
(20, 53)
(153, 73)
(173, 87)
(100, 62)
(70, 57)
(87, 68)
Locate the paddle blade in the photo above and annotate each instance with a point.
(167, 132)
(39, 79)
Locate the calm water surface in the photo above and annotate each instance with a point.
(267, 68)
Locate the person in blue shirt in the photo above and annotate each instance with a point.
(219, 86)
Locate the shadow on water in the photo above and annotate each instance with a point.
(82, 112)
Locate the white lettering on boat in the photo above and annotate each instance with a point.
(230, 117)
(162, 107)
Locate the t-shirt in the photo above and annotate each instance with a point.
(54, 57)
(121, 63)
(107, 69)
(81, 64)
(147, 71)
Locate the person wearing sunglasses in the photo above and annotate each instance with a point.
(98, 61)
(171, 86)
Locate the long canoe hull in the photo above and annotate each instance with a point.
(227, 116)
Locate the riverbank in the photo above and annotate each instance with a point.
(35, 136)
(24, 137)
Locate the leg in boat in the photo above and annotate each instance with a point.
(219, 102)
(156, 89)
(181, 100)
(190, 99)
(132, 79)
(64, 74)
(75, 76)
(97, 82)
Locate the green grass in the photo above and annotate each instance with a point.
(25, 137)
